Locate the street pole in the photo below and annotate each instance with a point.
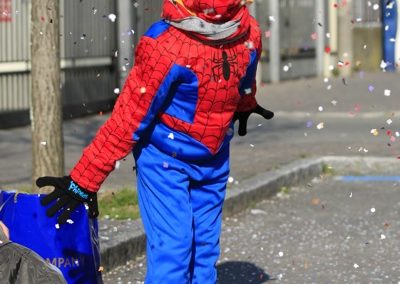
(252, 9)
(345, 36)
(125, 38)
(320, 28)
(274, 47)
(332, 57)
(397, 42)
(46, 105)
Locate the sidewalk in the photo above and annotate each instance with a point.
(269, 144)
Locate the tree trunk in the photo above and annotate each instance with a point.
(46, 107)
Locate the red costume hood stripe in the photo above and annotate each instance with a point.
(217, 14)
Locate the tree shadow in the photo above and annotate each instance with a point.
(241, 272)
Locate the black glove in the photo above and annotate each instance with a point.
(68, 195)
(244, 116)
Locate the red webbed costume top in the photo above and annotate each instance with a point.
(193, 70)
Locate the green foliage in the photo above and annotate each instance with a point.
(327, 170)
(122, 204)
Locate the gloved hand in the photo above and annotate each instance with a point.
(244, 116)
(67, 196)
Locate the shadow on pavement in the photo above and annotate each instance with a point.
(241, 272)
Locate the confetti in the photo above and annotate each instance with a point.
(383, 237)
(117, 165)
(320, 126)
(334, 102)
(112, 17)
(387, 93)
(57, 226)
(389, 121)
(143, 90)
(371, 88)
(314, 36)
(43, 143)
(320, 108)
(280, 254)
(101, 269)
(231, 179)
(373, 210)
(327, 49)
(356, 265)
(116, 91)
(69, 221)
(165, 165)
(171, 136)
(375, 132)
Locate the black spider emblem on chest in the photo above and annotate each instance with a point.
(224, 66)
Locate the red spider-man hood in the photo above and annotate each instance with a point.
(210, 20)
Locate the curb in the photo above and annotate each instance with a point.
(120, 248)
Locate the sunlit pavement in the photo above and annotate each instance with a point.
(314, 117)
(333, 230)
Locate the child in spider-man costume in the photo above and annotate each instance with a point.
(194, 75)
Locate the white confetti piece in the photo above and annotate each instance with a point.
(165, 165)
(231, 179)
(321, 108)
(334, 102)
(57, 226)
(387, 93)
(373, 210)
(280, 254)
(112, 17)
(375, 132)
(258, 212)
(117, 165)
(69, 221)
(389, 121)
(43, 143)
(171, 136)
(383, 237)
(247, 91)
(116, 91)
(143, 90)
(356, 265)
(320, 126)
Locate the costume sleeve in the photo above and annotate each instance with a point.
(144, 93)
(248, 85)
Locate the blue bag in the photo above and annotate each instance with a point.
(73, 248)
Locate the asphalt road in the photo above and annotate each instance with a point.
(312, 119)
(330, 231)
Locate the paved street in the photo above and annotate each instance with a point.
(348, 112)
(330, 231)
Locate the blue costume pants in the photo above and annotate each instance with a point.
(181, 209)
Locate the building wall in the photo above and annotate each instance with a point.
(88, 42)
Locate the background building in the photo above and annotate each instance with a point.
(302, 38)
